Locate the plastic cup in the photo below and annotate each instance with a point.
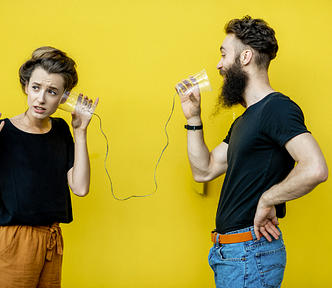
(69, 101)
(186, 87)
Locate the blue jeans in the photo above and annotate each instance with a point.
(250, 264)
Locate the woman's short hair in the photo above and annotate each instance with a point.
(53, 61)
(257, 34)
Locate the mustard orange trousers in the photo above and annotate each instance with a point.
(30, 256)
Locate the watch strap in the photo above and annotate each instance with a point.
(193, 128)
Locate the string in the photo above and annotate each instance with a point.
(155, 169)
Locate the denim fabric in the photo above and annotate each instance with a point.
(250, 264)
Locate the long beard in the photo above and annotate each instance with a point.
(235, 83)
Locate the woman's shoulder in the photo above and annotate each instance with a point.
(60, 125)
(11, 123)
(7, 123)
(6, 120)
(60, 122)
(16, 120)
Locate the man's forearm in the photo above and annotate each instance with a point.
(205, 165)
(300, 181)
(198, 154)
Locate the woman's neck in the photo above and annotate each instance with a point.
(30, 124)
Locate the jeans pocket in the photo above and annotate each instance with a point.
(271, 265)
(230, 258)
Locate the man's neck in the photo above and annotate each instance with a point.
(258, 87)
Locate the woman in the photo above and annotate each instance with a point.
(38, 160)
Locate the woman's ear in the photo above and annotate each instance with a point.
(26, 87)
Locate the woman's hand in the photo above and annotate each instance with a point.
(2, 123)
(83, 112)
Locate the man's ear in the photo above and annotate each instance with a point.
(246, 57)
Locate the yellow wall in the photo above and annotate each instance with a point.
(131, 53)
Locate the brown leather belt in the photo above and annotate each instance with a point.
(231, 238)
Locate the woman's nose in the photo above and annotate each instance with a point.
(41, 97)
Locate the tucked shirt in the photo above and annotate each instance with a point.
(257, 158)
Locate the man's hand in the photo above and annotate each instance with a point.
(265, 222)
(191, 99)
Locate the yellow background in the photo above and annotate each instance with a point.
(131, 54)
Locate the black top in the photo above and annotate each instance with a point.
(33, 175)
(257, 158)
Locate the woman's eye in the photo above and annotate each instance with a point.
(52, 92)
(35, 87)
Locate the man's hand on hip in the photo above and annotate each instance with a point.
(265, 222)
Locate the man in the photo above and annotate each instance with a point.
(258, 157)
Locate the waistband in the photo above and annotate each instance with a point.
(55, 238)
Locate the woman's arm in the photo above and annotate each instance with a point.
(79, 175)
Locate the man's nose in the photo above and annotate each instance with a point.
(220, 64)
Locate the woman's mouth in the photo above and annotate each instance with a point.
(39, 109)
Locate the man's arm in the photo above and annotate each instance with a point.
(205, 166)
(311, 170)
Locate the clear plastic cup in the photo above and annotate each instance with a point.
(68, 101)
(186, 86)
(71, 100)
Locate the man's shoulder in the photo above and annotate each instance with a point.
(277, 101)
(277, 97)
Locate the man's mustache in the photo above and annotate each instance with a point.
(222, 72)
